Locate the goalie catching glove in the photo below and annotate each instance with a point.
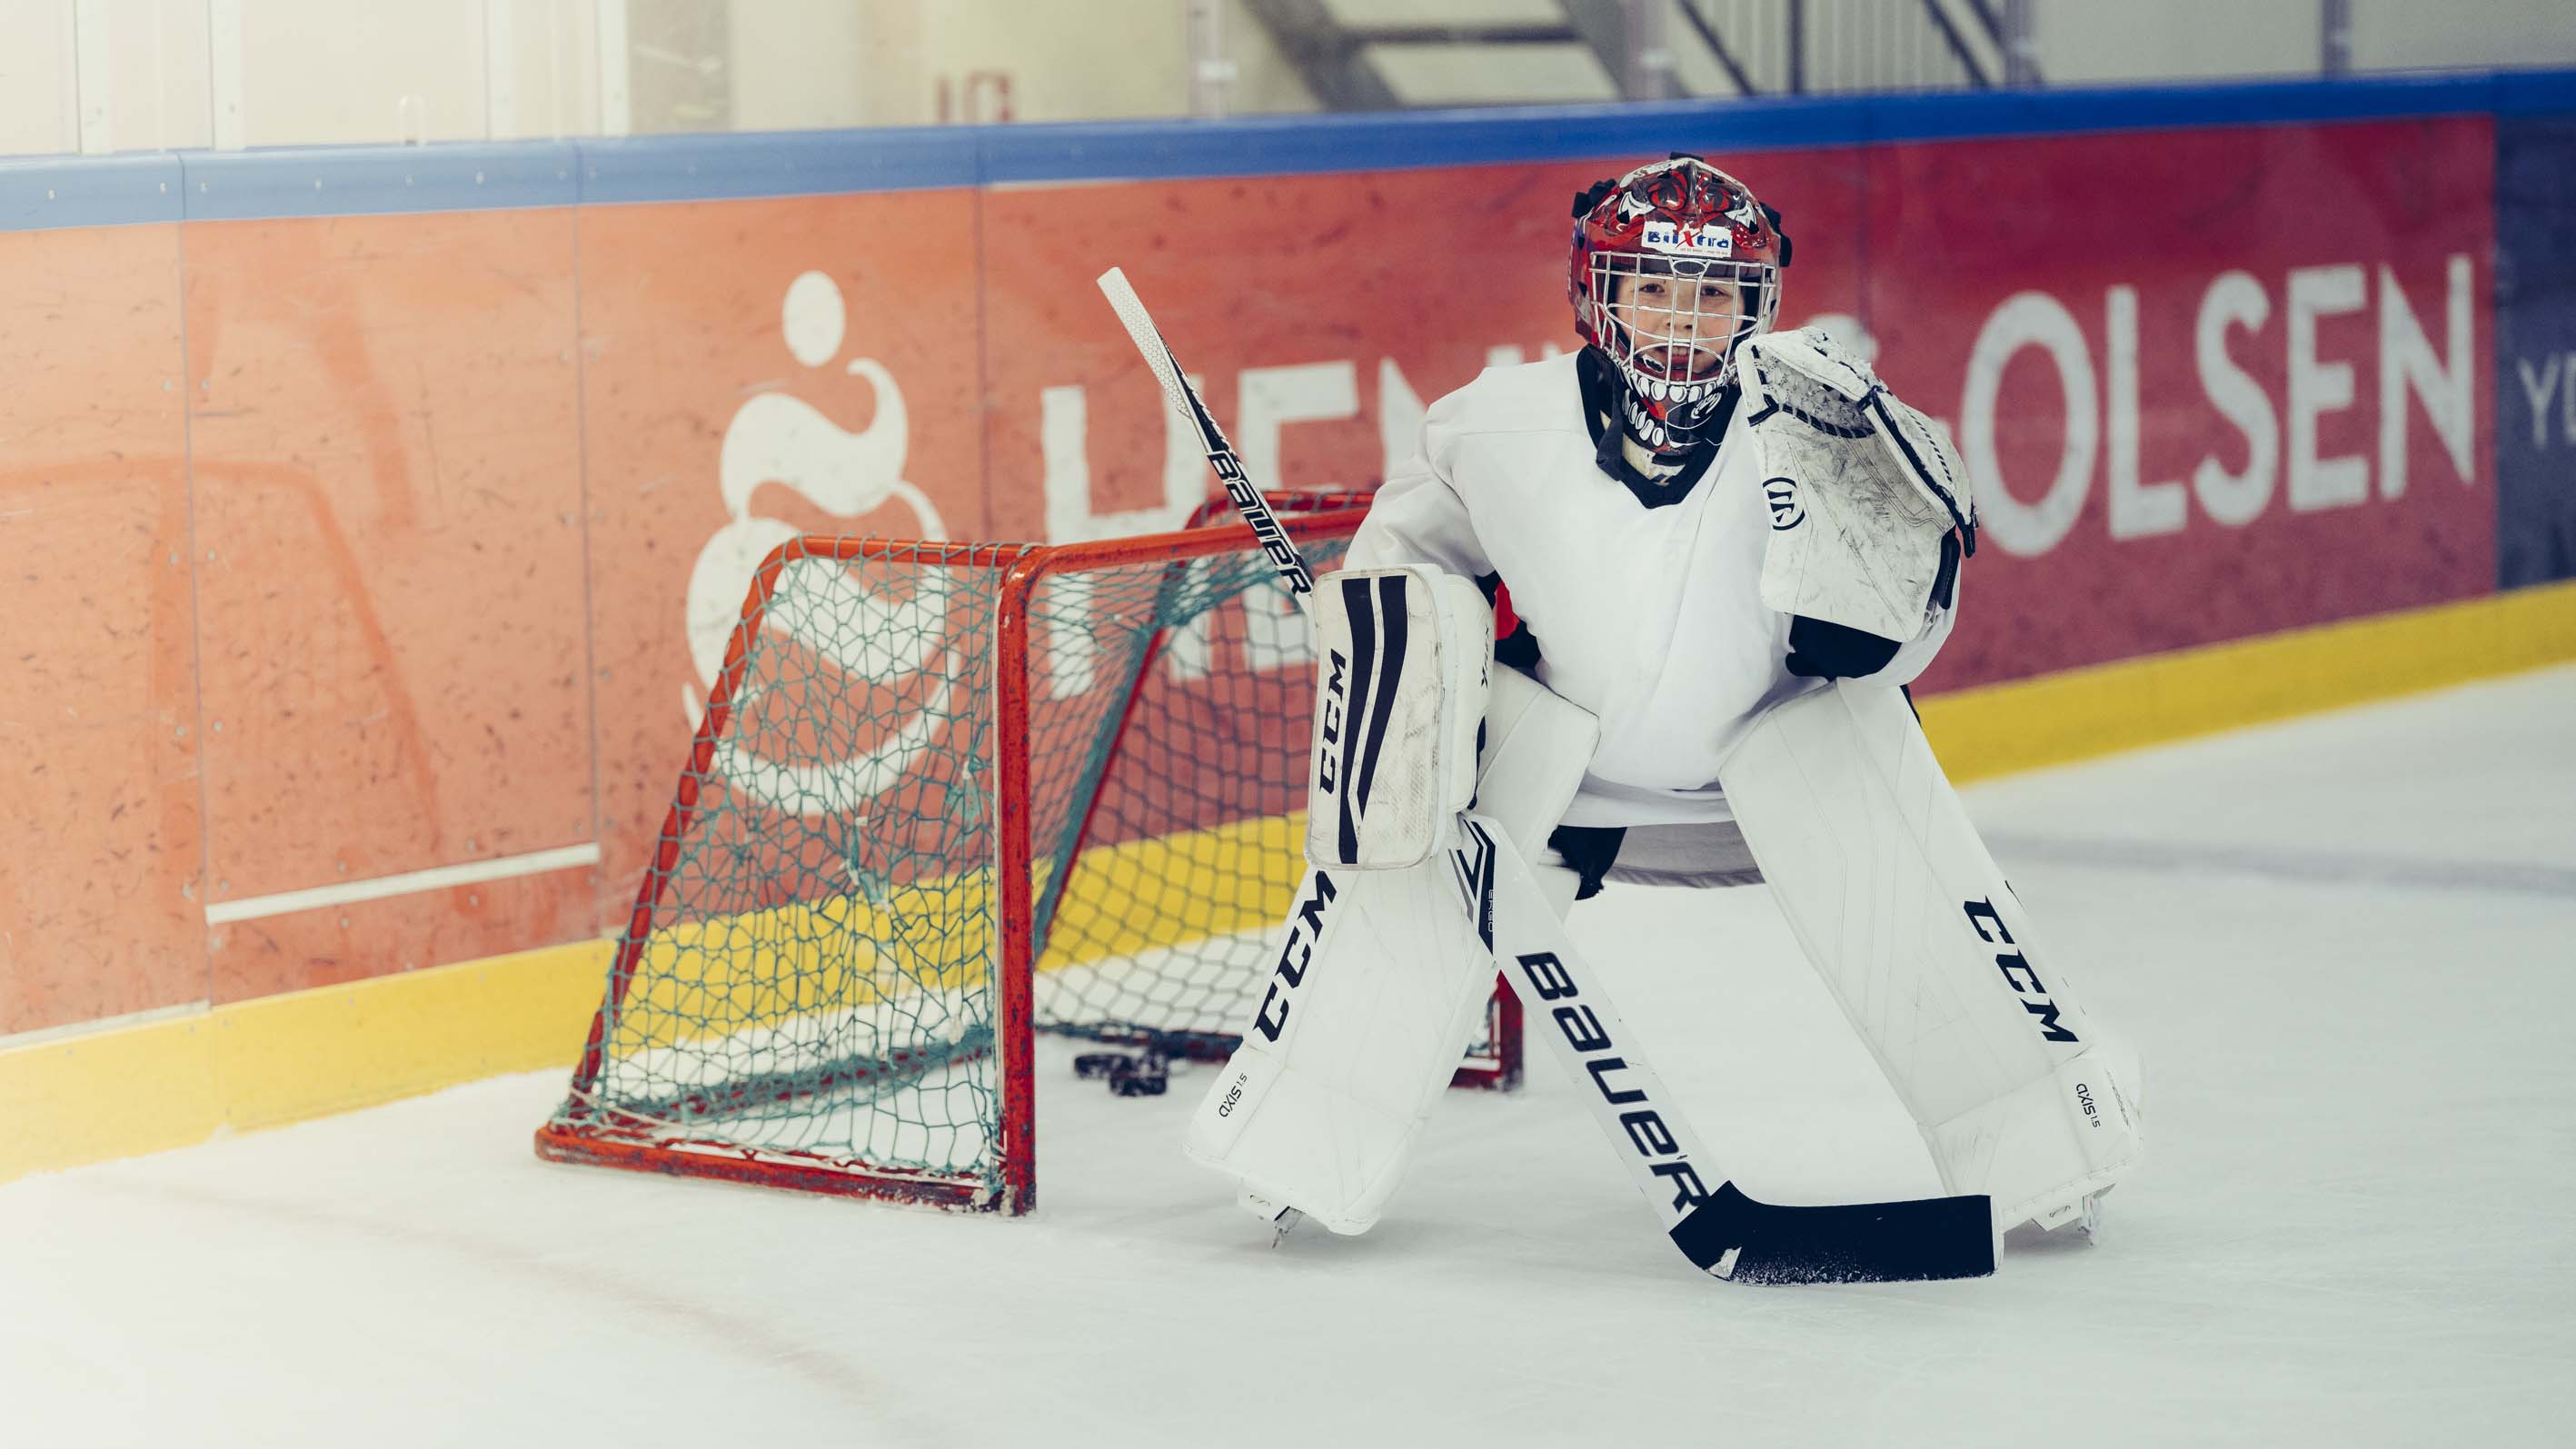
(1870, 513)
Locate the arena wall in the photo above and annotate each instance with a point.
(371, 519)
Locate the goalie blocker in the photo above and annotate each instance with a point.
(1403, 660)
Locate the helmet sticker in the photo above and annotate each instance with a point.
(1696, 241)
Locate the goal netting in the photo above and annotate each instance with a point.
(944, 797)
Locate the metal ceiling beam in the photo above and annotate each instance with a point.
(1335, 67)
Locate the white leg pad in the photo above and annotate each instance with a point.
(1381, 982)
(1381, 979)
(1902, 911)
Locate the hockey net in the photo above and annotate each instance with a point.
(945, 797)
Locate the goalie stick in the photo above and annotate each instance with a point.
(1723, 1231)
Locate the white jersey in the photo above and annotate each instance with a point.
(1650, 617)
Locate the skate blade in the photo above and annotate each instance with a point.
(1279, 1215)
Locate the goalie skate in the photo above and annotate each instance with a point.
(1281, 1217)
(2075, 1219)
(2077, 1212)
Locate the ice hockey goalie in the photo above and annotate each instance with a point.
(1715, 554)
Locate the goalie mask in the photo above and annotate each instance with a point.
(1674, 266)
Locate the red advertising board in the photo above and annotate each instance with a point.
(436, 524)
(2209, 383)
(1323, 313)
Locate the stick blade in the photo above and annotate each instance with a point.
(1734, 1237)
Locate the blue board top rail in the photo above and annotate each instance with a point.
(38, 193)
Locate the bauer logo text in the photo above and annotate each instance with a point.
(1611, 1075)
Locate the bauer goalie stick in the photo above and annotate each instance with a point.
(1722, 1231)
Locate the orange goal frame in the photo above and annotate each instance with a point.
(602, 1136)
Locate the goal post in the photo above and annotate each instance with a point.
(944, 798)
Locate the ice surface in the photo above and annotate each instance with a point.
(2347, 945)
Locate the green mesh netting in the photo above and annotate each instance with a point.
(817, 979)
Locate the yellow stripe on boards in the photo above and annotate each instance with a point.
(2080, 713)
(169, 1083)
(292, 1057)
(118, 1093)
(309, 1053)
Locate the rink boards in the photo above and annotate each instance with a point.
(351, 544)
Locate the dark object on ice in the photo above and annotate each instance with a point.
(1126, 1074)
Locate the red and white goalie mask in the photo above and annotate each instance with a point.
(1674, 266)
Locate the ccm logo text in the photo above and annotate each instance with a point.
(1295, 955)
(1328, 722)
(2016, 969)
